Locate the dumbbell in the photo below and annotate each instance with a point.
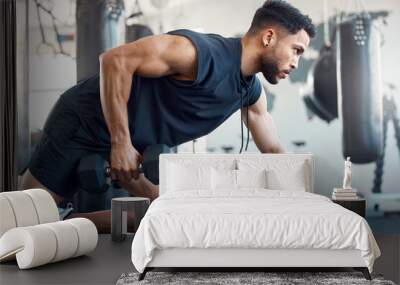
(150, 164)
(94, 171)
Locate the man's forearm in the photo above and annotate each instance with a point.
(115, 85)
(264, 134)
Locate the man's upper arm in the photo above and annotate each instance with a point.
(154, 56)
(259, 108)
(262, 127)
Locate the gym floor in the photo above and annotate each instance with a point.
(102, 266)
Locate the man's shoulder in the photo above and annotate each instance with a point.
(194, 32)
(217, 56)
(205, 39)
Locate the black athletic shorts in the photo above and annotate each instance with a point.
(64, 142)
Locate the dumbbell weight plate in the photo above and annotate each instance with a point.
(91, 174)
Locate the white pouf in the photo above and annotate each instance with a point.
(7, 218)
(31, 232)
(23, 208)
(41, 244)
(45, 205)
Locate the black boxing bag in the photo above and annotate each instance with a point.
(100, 25)
(322, 87)
(325, 83)
(359, 89)
(137, 31)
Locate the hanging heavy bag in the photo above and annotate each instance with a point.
(99, 26)
(321, 79)
(325, 87)
(359, 88)
(137, 31)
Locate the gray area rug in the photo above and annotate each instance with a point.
(231, 278)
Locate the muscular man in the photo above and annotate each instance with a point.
(168, 89)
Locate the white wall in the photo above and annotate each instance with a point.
(50, 75)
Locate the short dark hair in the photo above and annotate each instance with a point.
(283, 14)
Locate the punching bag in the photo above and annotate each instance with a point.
(137, 31)
(325, 84)
(321, 97)
(359, 88)
(100, 26)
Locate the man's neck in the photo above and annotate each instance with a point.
(250, 57)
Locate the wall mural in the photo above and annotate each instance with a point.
(316, 73)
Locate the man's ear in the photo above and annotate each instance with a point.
(268, 37)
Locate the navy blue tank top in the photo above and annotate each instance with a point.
(168, 111)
